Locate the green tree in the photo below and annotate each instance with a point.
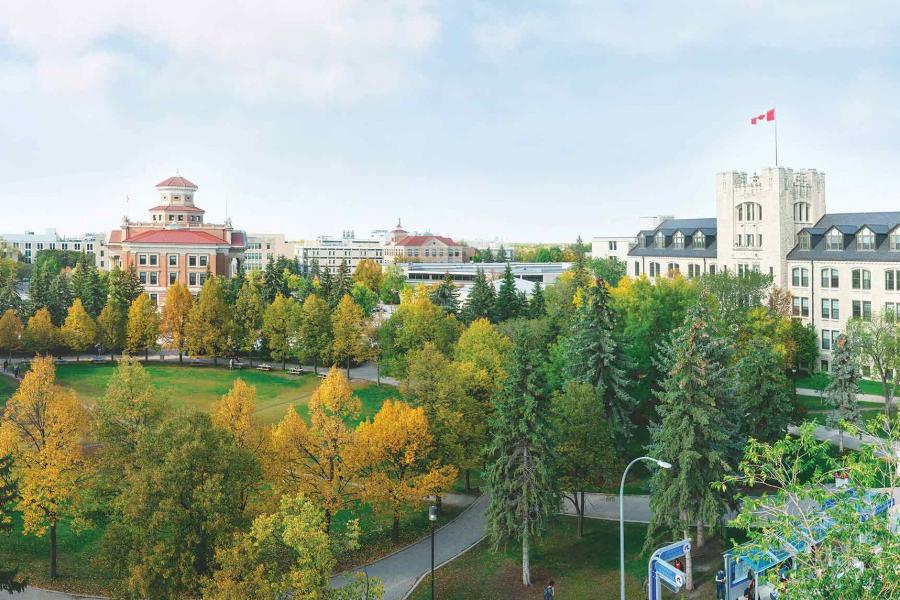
(79, 330)
(416, 321)
(348, 325)
(59, 298)
(314, 340)
(369, 273)
(142, 332)
(46, 268)
(586, 456)
(340, 286)
(280, 327)
(840, 393)
(877, 342)
(508, 304)
(536, 306)
(735, 294)
(520, 457)
(365, 298)
(804, 346)
(209, 325)
(88, 286)
(11, 331)
(595, 357)
(446, 295)
(481, 300)
(124, 287)
(111, 328)
(180, 501)
(40, 334)
(248, 318)
(393, 283)
(764, 393)
(694, 432)
(9, 579)
(610, 270)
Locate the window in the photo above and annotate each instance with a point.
(171, 217)
(154, 299)
(895, 241)
(800, 306)
(142, 277)
(829, 337)
(824, 365)
(672, 269)
(639, 240)
(830, 278)
(192, 260)
(861, 279)
(892, 280)
(660, 240)
(712, 269)
(749, 211)
(834, 240)
(611, 246)
(743, 270)
(154, 259)
(203, 259)
(865, 240)
(173, 260)
(637, 268)
(862, 309)
(654, 269)
(830, 309)
(202, 278)
(678, 240)
(154, 278)
(892, 309)
(142, 259)
(173, 277)
(699, 240)
(181, 217)
(800, 277)
(801, 212)
(192, 279)
(693, 271)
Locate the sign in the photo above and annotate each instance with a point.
(661, 572)
(669, 575)
(673, 551)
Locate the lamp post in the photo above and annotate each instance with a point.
(432, 516)
(659, 463)
(794, 381)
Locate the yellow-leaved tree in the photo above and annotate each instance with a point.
(394, 455)
(10, 332)
(234, 413)
(349, 341)
(313, 459)
(79, 331)
(175, 318)
(142, 332)
(41, 428)
(40, 333)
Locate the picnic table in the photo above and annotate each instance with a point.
(97, 360)
(264, 367)
(295, 371)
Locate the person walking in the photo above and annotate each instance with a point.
(720, 585)
(549, 591)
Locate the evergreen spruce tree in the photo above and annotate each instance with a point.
(480, 302)
(326, 286)
(764, 393)
(695, 432)
(537, 307)
(271, 281)
(8, 494)
(446, 295)
(342, 284)
(487, 256)
(88, 286)
(840, 393)
(594, 355)
(508, 304)
(59, 298)
(312, 270)
(124, 287)
(519, 461)
(9, 296)
(45, 270)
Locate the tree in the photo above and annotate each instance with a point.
(395, 451)
(764, 393)
(349, 326)
(40, 334)
(595, 357)
(369, 273)
(209, 324)
(840, 393)
(416, 321)
(585, 445)
(394, 282)
(234, 413)
(9, 296)
(804, 346)
(735, 293)
(446, 295)
(248, 318)
(340, 286)
(480, 301)
(536, 306)
(610, 270)
(9, 581)
(180, 500)
(42, 427)
(314, 340)
(877, 343)
(695, 432)
(79, 330)
(124, 287)
(279, 328)
(365, 298)
(287, 554)
(88, 286)
(507, 305)
(111, 328)
(46, 268)
(142, 332)
(313, 459)
(176, 318)
(520, 457)
(11, 331)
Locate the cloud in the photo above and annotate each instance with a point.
(660, 26)
(291, 49)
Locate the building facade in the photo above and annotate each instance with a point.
(261, 247)
(328, 252)
(611, 247)
(176, 245)
(29, 243)
(427, 248)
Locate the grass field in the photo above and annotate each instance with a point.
(818, 381)
(585, 568)
(7, 387)
(199, 387)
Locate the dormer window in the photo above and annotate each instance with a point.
(639, 240)
(699, 240)
(865, 240)
(804, 240)
(834, 240)
(660, 240)
(895, 240)
(678, 240)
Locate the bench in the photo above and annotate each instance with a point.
(323, 375)
(98, 360)
(236, 365)
(264, 368)
(195, 363)
(295, 371)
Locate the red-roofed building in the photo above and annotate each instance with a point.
(176, 245)
(427, 248)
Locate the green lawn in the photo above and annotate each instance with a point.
(818, 381)
(814, 403)
(199, 387)
(585, 568)
(7, 387)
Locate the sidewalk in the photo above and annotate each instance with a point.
(876, 398)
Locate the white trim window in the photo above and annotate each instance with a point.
(861, 279)
(800, 306)
(830, 278)
(834, 240)
(831, 309)
(678, 240)
(865, 240)
(800, 277)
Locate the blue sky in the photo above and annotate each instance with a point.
(519, 120)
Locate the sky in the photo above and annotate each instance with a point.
(515, 120)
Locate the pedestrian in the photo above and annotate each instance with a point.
(720, 585)
(16, 372)
(5, 365)
(549, 591)
(679, 565)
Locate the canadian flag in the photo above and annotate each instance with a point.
(768, 116)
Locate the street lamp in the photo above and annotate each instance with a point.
(432, 516)
(659, 463)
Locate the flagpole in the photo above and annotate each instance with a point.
(776, 137)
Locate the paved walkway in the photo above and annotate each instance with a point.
(875, 398)
(606, 506)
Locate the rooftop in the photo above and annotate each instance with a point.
(176, 182)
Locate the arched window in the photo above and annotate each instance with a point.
(800, 277)
(861, 279)
(660, 240)
(801, 212)
(678, 240)
(749, 211)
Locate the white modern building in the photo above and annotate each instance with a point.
(463, 274)
(616, 247)
(261, 247)
(29, 243)
(328, 252)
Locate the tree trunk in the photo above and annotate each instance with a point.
(77, 357)
(284, 363)
(579, 508)
(841, 443)
(468, 486)
(146, 354)
(348, 368)
(886, 393)
(250, 359)
(53, 550)
(688, 565)
(395, 528)
(316, 364)
(215, 360)
(378, 377)
(327, 521)
(701, 533)
(526, 566)
(180, 356)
